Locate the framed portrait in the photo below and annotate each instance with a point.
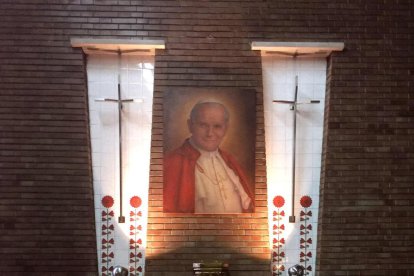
(209, 150)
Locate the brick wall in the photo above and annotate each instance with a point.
(366, 221)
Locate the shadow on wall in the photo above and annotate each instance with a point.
(179, 262)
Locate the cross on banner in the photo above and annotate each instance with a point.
(119, 101)
(293, 106)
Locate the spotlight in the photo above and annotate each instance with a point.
(119, 271)
(296, 270)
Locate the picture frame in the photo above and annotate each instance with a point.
(239, 140)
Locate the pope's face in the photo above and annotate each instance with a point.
(208, 127)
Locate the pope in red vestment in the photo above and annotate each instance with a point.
(179, 178)
(208, 124)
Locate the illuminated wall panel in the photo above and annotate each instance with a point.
(121, 243)
(293, 243)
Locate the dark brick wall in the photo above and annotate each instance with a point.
(46, 199)
(366, 217)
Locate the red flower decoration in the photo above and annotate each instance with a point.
(309, 227)
(135, 201)
(306, 201)
(107, 201)
(110, 227)
(279, 201)
(309, 254)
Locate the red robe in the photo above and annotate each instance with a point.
(179, 178)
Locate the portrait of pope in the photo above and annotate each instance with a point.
(200, 176)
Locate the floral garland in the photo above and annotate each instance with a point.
(305, 229)
(107, 236)
(135, 241)
(278, 254)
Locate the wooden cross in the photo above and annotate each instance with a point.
(293, 106)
